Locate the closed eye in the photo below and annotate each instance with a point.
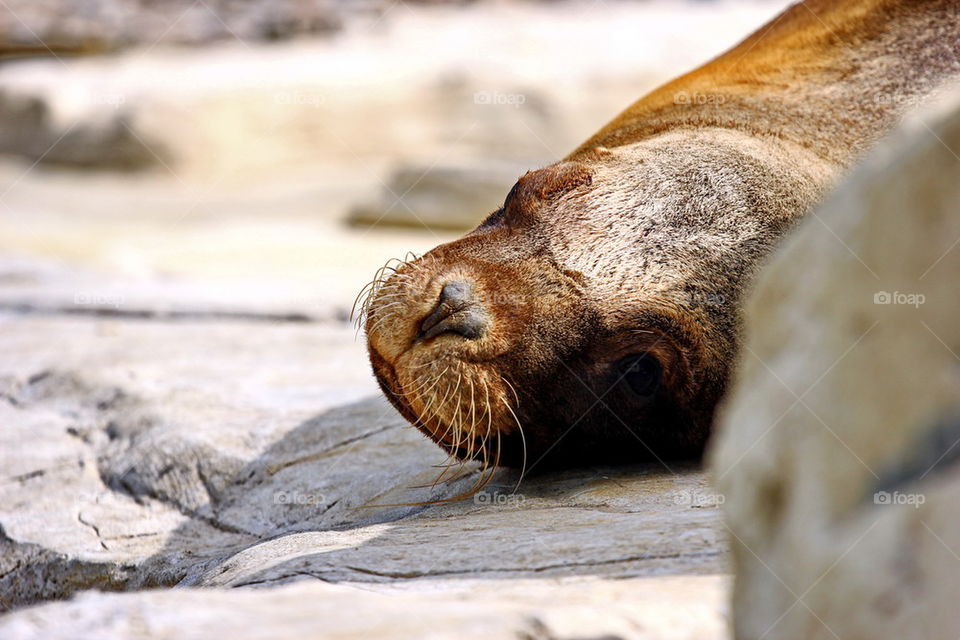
(640, 374)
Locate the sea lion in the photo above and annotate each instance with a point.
(594, 317)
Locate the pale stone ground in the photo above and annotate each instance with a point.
(184, 401)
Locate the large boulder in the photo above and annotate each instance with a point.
(837, 451)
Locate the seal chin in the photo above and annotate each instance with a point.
(462, 406)
(465, 407)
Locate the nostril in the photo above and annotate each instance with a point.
(457, 311)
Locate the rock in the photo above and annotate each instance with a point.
(101, 470)
(50, 26)
(212, 453)
(405, 90)
(666, 608)
(440, 197)
(70, 245)
(104, 140)
(837, 452)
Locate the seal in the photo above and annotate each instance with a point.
(595, 317)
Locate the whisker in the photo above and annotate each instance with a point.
(426, 379)
(388, 274)
(523, 438)
(473, 414)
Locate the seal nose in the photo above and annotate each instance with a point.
(457, 311)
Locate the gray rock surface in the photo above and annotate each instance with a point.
(838, 451)
(666, 608)
(208, 453)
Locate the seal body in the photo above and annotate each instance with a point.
(594, 317)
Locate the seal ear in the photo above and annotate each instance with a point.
(536, 188)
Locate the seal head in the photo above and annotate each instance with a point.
(590, 318)
(594, 317)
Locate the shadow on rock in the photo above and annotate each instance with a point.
(352, 496)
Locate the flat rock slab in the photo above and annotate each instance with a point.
(671, 608)
(143, 453)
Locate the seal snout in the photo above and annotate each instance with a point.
(457, 311)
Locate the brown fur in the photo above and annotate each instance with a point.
(643, 240)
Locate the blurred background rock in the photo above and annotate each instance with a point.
(246, 156)
(87, 26)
